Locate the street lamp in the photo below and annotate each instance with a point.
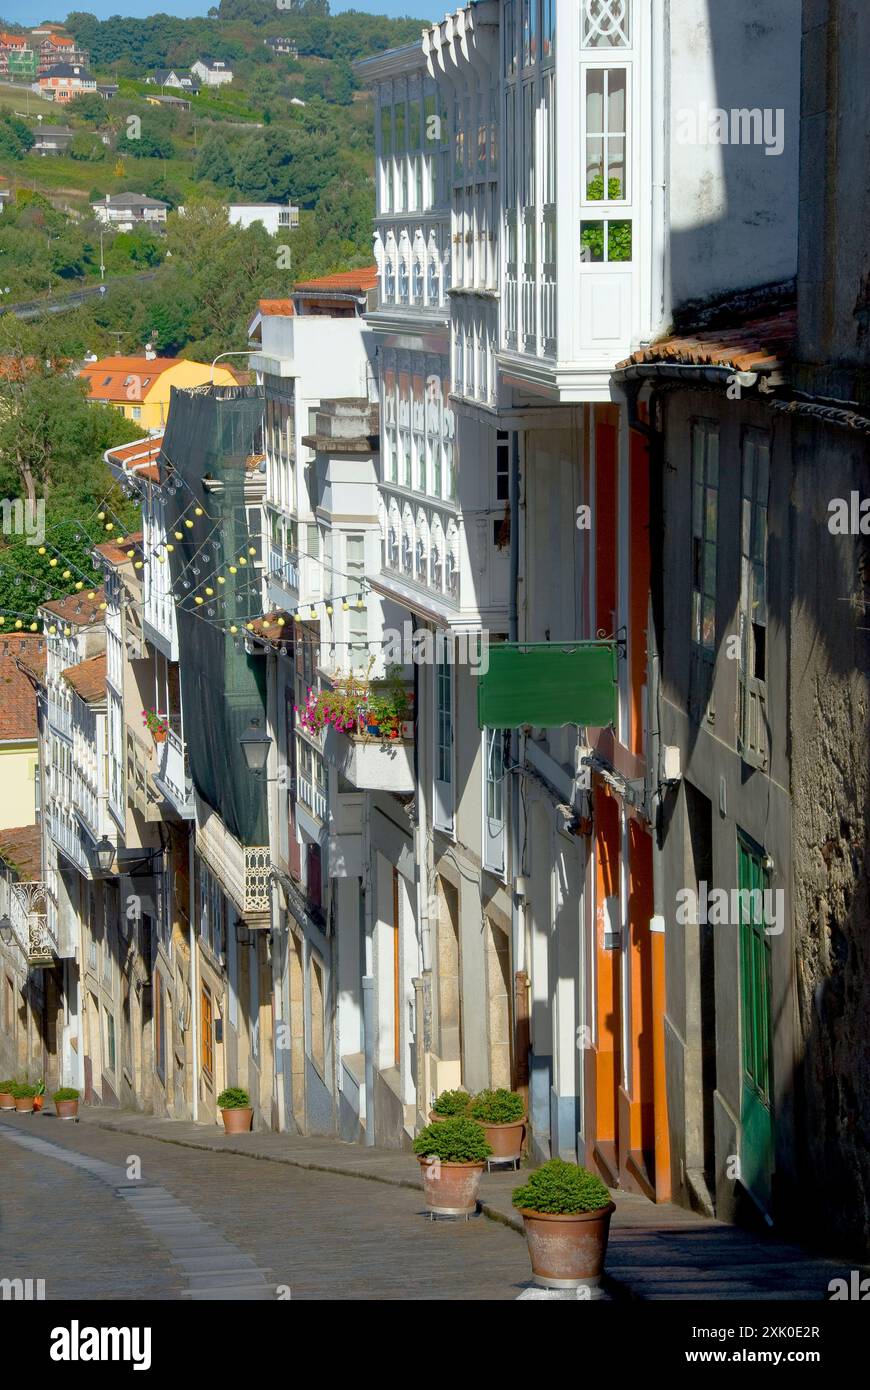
(5, 930)
(104, 853)
(255, 746)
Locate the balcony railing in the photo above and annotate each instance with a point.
(160, 619)
(172, 776)
(244, 871)
(68, 837)
(59, 717)
(141, 764)
(312, 796)
(28, 913)
(284, 568)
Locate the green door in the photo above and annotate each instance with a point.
(756, 1117)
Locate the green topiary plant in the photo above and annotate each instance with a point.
(66, 1093)
(233, 1098)
(499, 1107)
(452, 1103)
(22, 1089)
(453, 1141)
(561, 1188)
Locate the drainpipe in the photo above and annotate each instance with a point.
(518, 942)
(194, 981)
(660, 93)
(368, 979)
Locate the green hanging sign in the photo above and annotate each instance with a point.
(548, 684)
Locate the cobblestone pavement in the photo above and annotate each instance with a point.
(217, 1225)
(220, 1216)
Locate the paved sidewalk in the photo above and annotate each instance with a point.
(655, 1251)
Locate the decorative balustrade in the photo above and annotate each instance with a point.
(28, 913)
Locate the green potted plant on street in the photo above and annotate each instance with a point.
(7, 1095)
(449, 1105)
(66, 1102)
(566, 1213)
(24, 1093)
(235, 1106)
(503, 1116)
(452, 1154)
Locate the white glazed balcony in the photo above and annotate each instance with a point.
(172, 774)
(244, 871)
(372, 764)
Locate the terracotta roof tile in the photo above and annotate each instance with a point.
(110, 378)
(276, 626)
(17, 695)
(21, 850)
(88, 678)
(758, 345)
(78, 609)
(282, 307)
(351, 281)
(115, 553)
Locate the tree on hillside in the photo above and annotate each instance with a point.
(48, 427)
(213, 162)
(88, 107)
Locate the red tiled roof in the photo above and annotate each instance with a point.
(88, 678)
(110, 379)
(140, 457)
(276, 626)
(116, 553)
(21, 850)
(78, 609)
(282, 307)
(758, 345)
(17, 695)
(351, 281)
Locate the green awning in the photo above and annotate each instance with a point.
(548, 684)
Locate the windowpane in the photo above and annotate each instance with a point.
(606, 23)
(386, 130)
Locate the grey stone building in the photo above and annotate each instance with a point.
(757, 425)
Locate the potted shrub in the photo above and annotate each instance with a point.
(503, 1116)
(156, 725)
(566, 1212)
(66, 1103)
(235, 1106)
(24, 1093)
(449, 1105)
(452, 1154)
(39, 1098)
(7, 1095)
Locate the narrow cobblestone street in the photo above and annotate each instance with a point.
(260, 1216)
(320, 1235)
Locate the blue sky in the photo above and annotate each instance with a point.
(27, 11)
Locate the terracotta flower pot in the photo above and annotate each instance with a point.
(7, 1100)
(451, 1188)
(38, 1102)
(66, 1109)
(158, 735)
(567, 1251)
(24, 1104)
(238, 1121)
(506, 1141)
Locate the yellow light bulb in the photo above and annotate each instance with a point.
(41, 550)
(189, 524)
(250, 627)
(130, 554)
(92, 593)
(18, 622)
(2, 619)
(103, 607)
(170, 547)
(179, 535)
(198, 599)
(298, 616)
(233, 569)
(53, 562)
(67, 574)
(221, 579)
(110, 526)
(80, 584)
(101, 516)
(33, 627)
(162, 559)
(252, 550)
(242, 560)
(52, 631)
(137, 564)
(209, 590)
(197, 511)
